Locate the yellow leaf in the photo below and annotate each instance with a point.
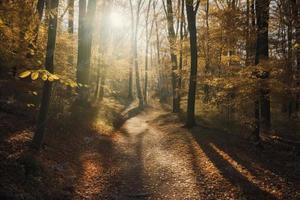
(73, 85)
(55, 77)
(25, 74)
(34, 75)
(44, 77)
(50, 79)
(35, 93)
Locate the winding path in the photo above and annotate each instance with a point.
(153, 157)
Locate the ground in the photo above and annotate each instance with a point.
(152, 156)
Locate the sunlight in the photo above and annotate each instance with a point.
(116, 20)
(149, 99)
(245, 173)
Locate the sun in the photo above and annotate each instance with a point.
(116, 20)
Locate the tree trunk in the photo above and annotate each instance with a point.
(81, 42)
(159, 70)
(97, 89)
(86, 18)
(43, 113)
(289, 70)
(297, 37)
(71, 29)
(135, 53)
(248, 34)
(71, 16)
(182, 25)
(103, 45)
(148, 35)
(262, 54)
(207, 56)
(102, 83)
(191, 18)
(172, 41)
(130, 81)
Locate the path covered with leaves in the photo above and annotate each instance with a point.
(153, 157)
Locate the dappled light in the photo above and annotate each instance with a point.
(149, 99)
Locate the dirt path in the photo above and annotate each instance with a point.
(149, 168)
(152, 157)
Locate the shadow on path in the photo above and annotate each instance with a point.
(246, 188)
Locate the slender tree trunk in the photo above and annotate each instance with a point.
(207, 56)
(130, 88)
(146, 75)
(103, 44)
(98, 77)
(248, 34)
(43, 113)
(191, 18)
(135, 53)
(130, 80)
(289, 69)
(172, 41)
(148, 35)
(182, 26)
(81, 41)
(253, 30)
(71, 16)
(102, 83)
(159, 67)
(262, 55)
(86, 18)
(297, 50)
(136, 64)
(71, 29)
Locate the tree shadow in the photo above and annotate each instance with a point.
(231, 155)
(210, 143)
(128, 180)
(95, 158)
(277, 160)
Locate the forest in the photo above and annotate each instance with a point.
(149, 99)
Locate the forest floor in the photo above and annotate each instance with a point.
(152, 156)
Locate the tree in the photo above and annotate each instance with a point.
(262, 55)
(296, 7)
(148, 37)
(47, 88)
(191, 12)
(250, 33)
(71, 16)
(86, 19)
(182, 37)
(135, 31)
(161, 80)
(103, 44)
(207, 47)
(172, 41)
(71, 28)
